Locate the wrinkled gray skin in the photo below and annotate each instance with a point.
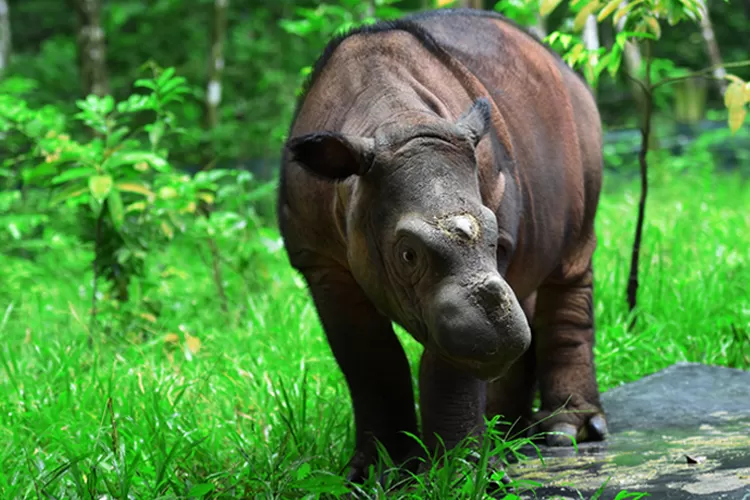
(432, 245)
(433, 191)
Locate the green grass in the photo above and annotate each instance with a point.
(258, 408)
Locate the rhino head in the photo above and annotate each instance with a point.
(420, 242)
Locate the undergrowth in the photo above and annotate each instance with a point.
(195, 403)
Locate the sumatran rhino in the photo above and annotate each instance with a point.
(443, 172)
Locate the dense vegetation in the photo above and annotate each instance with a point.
(156, 343)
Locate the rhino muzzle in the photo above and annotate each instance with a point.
(481, 328)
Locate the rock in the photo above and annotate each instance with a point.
(682, 433)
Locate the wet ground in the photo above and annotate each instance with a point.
(682, 433)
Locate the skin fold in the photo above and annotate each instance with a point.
(443, 172)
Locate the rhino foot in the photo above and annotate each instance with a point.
(579, 420)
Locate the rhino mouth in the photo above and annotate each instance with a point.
(481, 329)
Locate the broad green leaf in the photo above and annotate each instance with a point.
(149, 84)
(106, 104)
(42, 170)
(155, 132)
(653, 25)
(165, 76)
(95, 205)
(117, 136)
(69, 194)
(116, 211)
(167, 193)
(100, 186)
(200, 490)
(74, 173)
(303, 471)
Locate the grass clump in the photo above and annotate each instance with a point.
(190, 403)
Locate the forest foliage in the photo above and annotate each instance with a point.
(144, 281)
(132, 124)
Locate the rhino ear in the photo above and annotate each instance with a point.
(331, 155)
(475, 122)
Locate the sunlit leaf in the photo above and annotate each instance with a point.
(582, 16)
(132, 187)
(167, 193)
(207, 197)
(137, 157)
(192, 343)
(167, 230)
(152, 319)
(734, 96)
(189, 208)
(608, 9)
(736, 118)
(138, 206)
(100, 186)
(653, 25)
(171, 338)
(548, 6)
(622, 12)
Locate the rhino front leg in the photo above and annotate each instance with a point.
(452, 402)
(374, 366)
(564, 324)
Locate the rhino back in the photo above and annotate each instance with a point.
(552, 130)
(438, 61)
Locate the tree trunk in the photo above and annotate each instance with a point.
(5, 39)
(539, 28)
(92, 53)
(213, 103)
(590, 37)
(369, 9)
(633, 60)
(216, 63)
(714, 55)
(591, 33)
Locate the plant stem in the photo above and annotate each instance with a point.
(95, 268)
(632, 288)
(218, 279)
(702, 72)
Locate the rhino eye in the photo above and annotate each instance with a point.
(409, 256)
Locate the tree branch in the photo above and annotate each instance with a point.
(702, 72)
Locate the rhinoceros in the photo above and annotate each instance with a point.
(442, 172)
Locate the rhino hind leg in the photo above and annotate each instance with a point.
(564, 327)
(375, 368)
